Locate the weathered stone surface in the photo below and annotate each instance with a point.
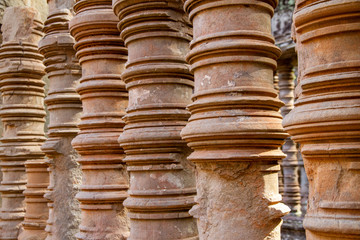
(22, 114)
(235, 126)
(64, 108)
(102, 56)
(162, 181)
(326, 117)
(39, 5)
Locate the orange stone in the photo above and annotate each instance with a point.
(102, 55)
(326, 117)
(64, 106)
(235, 125)
(23, 117)
(162, 182)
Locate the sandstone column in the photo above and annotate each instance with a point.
(291, 195)
(102, 56)
(292, 227)
(64, 107)
(326, 117)
(22, 113)
(162, 182)
(235, 126)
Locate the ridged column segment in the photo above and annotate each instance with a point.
(235, 125)
(326, 117)
(102, 56)
(22, 114)
(280, 177)
(64, 106)
(162, 182)
(291, 195)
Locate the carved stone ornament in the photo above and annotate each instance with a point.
(23, 118)
(235, 125)
(326, 117)
(64, 106)
(162, 182)
(102, 56)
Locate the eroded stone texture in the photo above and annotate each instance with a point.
(102, 56)
(39, 5)
(22, 114)
(64, 107)
(326, 117)
(235, 126)
(162, 182)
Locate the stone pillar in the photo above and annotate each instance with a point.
(64, 107)
(235, 125)
(291, 195)
(102, 56)
(326, 117)
(22, 114)
(162, 181)
(292, 228)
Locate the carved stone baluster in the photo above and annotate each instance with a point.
(64, 107)
(326, 117)
(162, 182)
(235, 125)
(102, 56)
(291, 196)
(292, 227)
(22, 114)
